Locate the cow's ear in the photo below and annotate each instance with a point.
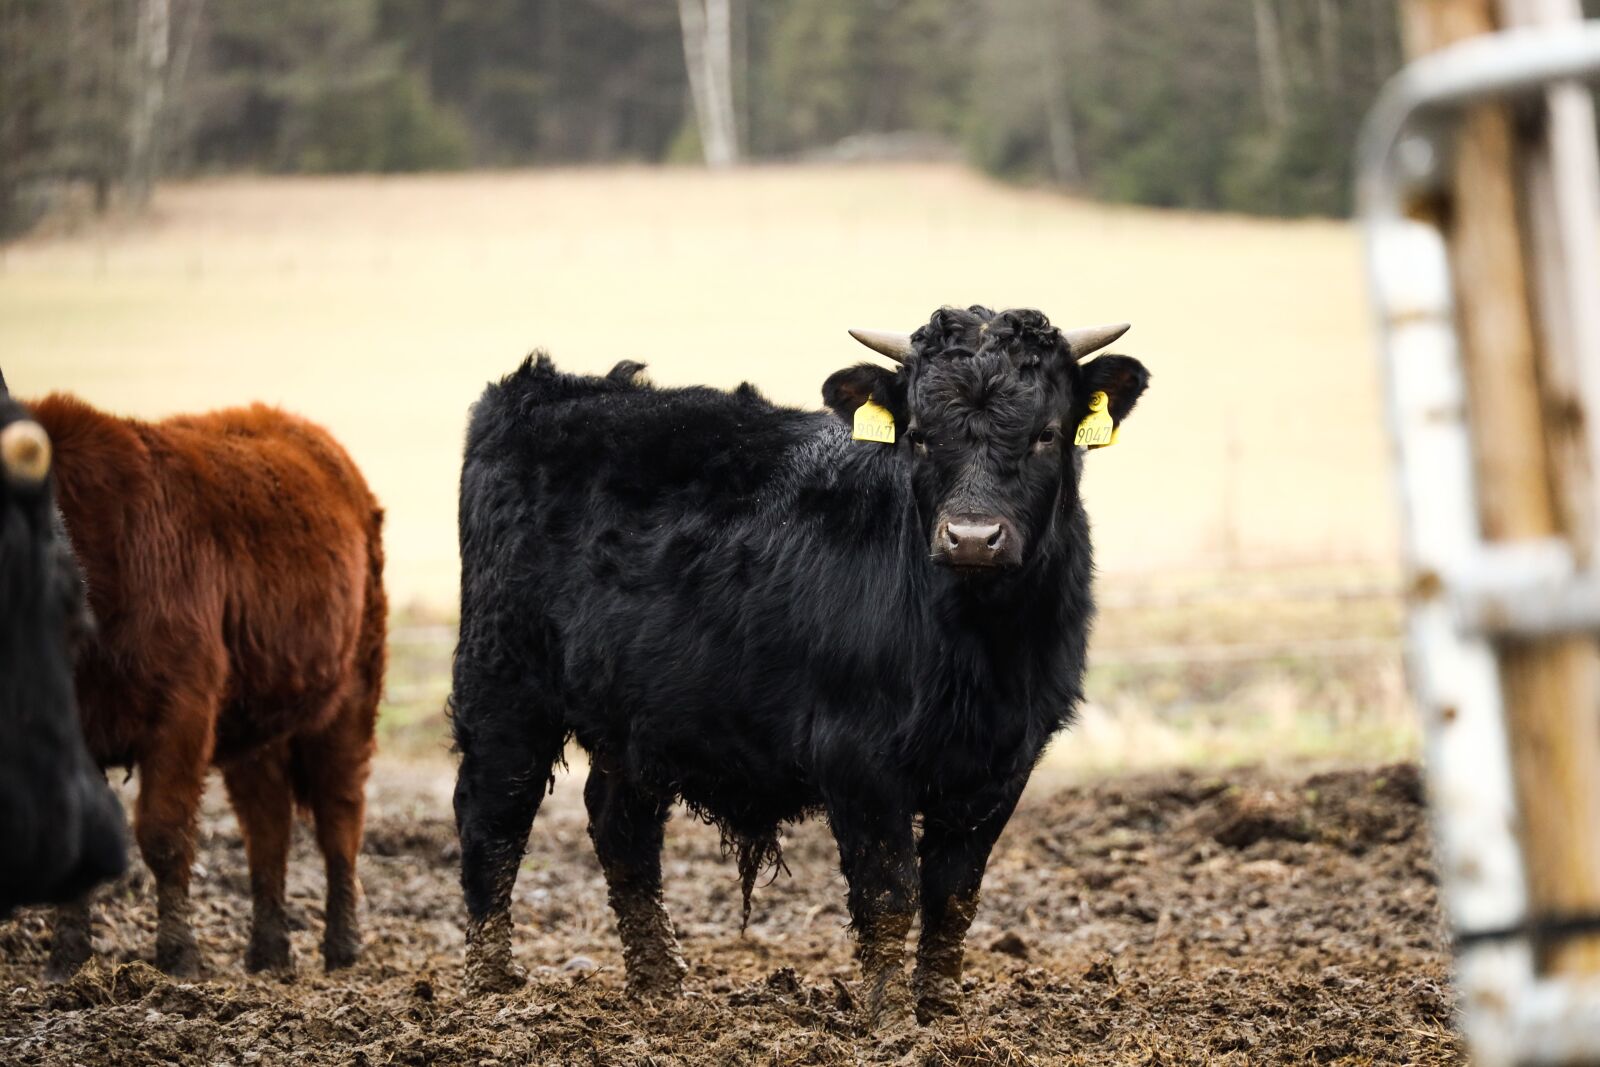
(848, 389)
(1122, 378)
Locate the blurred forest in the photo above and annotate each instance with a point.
(1244, 105)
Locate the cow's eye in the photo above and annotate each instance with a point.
(918, 438)
(1047, 436)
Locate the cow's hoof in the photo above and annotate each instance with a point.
(659, 988)
(70, 942)
(490, 968)
(66, 961)
(887, 1012)
(657, 975)
(178, 958)
(891, 1020)
(893, 1036)
(654, 992)
(340, 952)
(936, 998)
(484, 980)
(268, 954)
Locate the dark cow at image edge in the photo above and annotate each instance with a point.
(61, 829)
(735, 604)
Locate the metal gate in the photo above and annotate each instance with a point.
(1466, 595)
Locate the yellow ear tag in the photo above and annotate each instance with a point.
(873, 423)
(1097, 430)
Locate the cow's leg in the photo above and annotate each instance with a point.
(877, 853)
(172, 777)
(333, 767)
(71, 943)
(626, 826)
(955, 853)
(258, 787)
(506, 760)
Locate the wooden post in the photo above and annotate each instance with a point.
(1531, 471)
(1560, 179)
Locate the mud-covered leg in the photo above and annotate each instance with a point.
(258, 788)
(954, 856)
(506, 760)
(333, 768)
(171, 781)
(71, 943)
(103, 855)
(339, 819)
(877, 855)
(626, 827)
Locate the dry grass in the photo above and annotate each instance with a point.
(381, 306)
(1215, 677)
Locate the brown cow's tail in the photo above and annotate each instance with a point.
(372, 655)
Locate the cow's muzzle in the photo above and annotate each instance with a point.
(975, 542)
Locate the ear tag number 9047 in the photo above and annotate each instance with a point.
(873, 423)
(1097, 430)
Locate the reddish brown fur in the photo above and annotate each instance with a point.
(234, 564)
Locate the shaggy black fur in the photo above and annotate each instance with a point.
(61, 829)
(735, 604)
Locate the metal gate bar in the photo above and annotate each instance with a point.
(1463, 592)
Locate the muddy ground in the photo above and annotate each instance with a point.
(1165, 919)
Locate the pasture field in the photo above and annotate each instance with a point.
(381, 306)
(1176, 919)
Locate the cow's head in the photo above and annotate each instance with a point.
(986, 407)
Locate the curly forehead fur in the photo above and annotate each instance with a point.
(1002, 371)
(1022, 335)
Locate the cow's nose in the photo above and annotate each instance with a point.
(976, 541)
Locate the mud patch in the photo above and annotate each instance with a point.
(1164, 919)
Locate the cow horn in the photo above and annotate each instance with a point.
(25, 452)
(897, 346)
(1091, 339)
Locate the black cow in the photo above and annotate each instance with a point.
(61, 829)
(736, 605)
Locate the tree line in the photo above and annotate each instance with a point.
(1246, 105)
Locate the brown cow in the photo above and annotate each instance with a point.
(234, 565)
